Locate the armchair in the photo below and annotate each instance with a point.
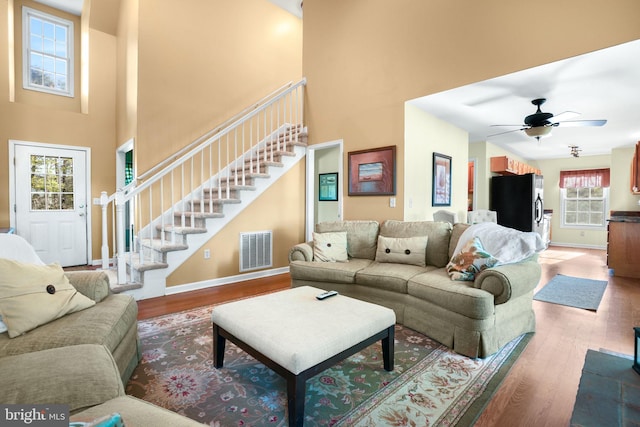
(481, 215)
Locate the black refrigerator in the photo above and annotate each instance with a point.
(518, 201)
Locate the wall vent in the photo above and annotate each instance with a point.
(255, 250)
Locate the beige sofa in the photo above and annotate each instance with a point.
(474, 318)
(82, 359)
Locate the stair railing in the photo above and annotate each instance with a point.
(176, 196)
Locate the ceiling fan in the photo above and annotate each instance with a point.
(575, 150)
(540, 124)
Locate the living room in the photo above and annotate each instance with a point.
(362, 61)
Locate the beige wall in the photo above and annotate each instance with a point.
(202, 61)
(127, 72)
(45, 118)
(621, 198)
(424, 135)
(364, 58)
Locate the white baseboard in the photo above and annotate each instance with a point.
(577, 245)
(171, 290)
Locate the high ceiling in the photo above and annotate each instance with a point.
(600, 85)
(75, 6)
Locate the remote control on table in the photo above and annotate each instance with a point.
(326, 295)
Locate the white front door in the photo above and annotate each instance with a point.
(51, 202)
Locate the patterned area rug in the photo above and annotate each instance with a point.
(429, 386)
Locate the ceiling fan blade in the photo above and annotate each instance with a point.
(575, 123)
(502, 133)
(565, 115)
(507, 125)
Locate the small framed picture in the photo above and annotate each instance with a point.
(441, 195)
(372, 172)
(328, 187)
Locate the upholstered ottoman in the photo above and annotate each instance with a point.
(298, 336)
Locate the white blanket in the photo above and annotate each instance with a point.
(505, 244)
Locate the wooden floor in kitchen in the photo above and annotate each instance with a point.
(541, 388)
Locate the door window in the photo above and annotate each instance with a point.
(52, 183)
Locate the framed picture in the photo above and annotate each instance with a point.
(372, 172)
(328, 184)
(441, 195)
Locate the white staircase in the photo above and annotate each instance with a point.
(184, 204)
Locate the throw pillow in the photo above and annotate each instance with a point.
(330, 247)
(32, 295)
(471, 260)
(111, 420)
(402, 250)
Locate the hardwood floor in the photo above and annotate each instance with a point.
(541, 388)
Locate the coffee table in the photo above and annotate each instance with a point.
(298, 336)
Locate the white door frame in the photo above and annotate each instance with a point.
(12, 183)
(120, 160)
(474, 198)
(310, 183)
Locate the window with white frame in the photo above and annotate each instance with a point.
(47, 53)
(585, 197)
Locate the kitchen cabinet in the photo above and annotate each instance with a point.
(507, 166)
(623, 244)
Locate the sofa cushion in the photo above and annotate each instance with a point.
(362, 236)
(438, 233)
(458, 229)
(136, 412)
(389, 276)
(330, 247)
(78, 375)
(402, 250)
(32, 295)
(105, 323)
(436, 287)
(333, 272)
(471, 260)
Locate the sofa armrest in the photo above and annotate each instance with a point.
(301, 252)
(92, 284)
(510, 280)
(80, 376)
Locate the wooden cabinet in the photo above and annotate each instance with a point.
(635, 170)
(623, 247)
(507, 166)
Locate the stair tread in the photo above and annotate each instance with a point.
(217, 201)
(182, 230)
(116, 289)
(232, 187)
(199, 215)
(163, 246)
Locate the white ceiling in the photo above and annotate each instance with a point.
(70, 6)
(600, 85)
(75, 6)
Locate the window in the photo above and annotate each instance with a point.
(51, 183)
(47, 53)
(585, 197)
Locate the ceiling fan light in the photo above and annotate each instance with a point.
(538, 131)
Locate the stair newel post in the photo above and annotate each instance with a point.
(120, 224)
